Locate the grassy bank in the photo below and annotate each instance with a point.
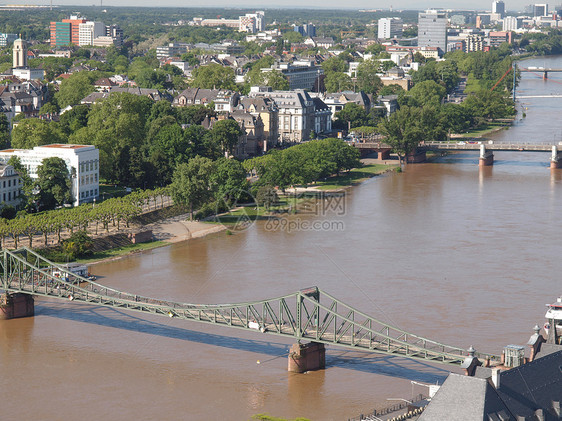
(486, 129)
(292, 202)
(121, 251)
(355, 176)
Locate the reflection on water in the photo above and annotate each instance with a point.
(461, 254)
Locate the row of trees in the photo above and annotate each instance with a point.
(303, 164)
(116, 211)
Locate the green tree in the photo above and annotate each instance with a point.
(75, 88)
(226, 133)
(192, 184)
(337, 82)
(213, 76)
(4, 131)
(53, 182)
(229, 178)
(367, 79)
(352, 115)
(74, 119)
(27, 198)
(115, 124)
(402, 130)
(35, 132)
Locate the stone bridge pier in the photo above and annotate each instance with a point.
(307, 357)
(556, 158)
(486, 157)
(16, 305)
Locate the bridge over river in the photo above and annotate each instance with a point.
(486, 149)
(307, 315)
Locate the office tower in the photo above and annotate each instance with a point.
(499, 8)
(540, 10)
(432, 29)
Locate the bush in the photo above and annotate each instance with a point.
(78, 245)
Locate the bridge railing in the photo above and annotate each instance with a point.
(309, 314)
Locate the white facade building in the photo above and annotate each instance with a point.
(89, 31)
(390, 28)
(512, 23)
(82, 162)
(10, 186)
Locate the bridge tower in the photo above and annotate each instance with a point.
(556, 158)
(486, 157)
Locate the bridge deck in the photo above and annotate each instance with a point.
(471, 146)
(301, 315)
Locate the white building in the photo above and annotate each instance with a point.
(390, 28)
(10, 186)
(82, 162)
(89, 31)
(512, 23)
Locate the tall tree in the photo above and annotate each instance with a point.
(192, 185)
(226, 133)
(53, 182)
(402, 130)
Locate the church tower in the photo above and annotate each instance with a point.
(20, 53)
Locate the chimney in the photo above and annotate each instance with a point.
(496, 377)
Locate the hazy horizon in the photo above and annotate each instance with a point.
(293, 4)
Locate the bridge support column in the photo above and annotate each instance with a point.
(486, 157)
(416, 157)
(385, 154)
(16, 305)
(545, 75)
(556, 158)
(307, 357)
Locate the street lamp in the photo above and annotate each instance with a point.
(94, 203)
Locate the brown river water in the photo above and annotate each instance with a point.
(444, 250)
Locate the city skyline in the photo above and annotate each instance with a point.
(480, 5)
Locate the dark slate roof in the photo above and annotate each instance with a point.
(464, 398)
(533, 386)
(523, 391)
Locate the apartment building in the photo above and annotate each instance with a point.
(390, 28)
(296, 113)
(82, 162)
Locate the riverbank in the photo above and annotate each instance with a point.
(179, 228)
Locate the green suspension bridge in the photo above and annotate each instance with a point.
(309, 314)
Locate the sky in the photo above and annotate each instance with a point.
(515, 5)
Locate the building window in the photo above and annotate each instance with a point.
(9, 196)
(9, 183)
(96, 191)
(96, 177)
(4, 198)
